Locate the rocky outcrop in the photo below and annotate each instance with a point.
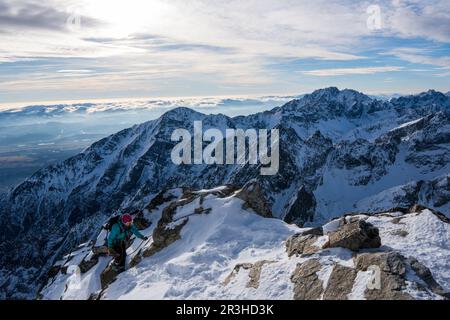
(388, 274)
(340, 283)
(254, 198)
(164, 234)
(108, 276)
(425, 274)
(392, 272)
(302, 244)
(168, 229)
(307, 285)
(254, 273)
(302, 210)
(354, 236)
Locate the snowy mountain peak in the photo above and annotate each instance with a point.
(181, 111)
(430, 96)
(332, 103)
(334, 94)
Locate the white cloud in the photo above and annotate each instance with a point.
(417, 18)
(349, 71)
(420, 56)
(231, 43)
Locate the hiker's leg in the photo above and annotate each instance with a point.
(123, 255)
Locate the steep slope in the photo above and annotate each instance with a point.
(223, 251)
(339, 151)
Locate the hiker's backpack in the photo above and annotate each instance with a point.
(111, 222)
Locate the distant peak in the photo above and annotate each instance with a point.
(180, 111)
(326, 91)
(425, 96)
(431, 92)
(334, 94)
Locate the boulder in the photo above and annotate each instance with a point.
(302, 244)
(354, 236)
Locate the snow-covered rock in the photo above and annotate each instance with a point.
(228, 252)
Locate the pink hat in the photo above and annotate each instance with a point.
(126, 218)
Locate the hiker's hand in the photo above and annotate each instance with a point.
(145, 238)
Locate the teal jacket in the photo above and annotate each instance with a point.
(119, 233)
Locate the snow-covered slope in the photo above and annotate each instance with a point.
(340, 151)
(227, 252)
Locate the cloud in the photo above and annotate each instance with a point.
(140, 45)
(34, 15)
(350, 71)
(420, 56)
(417, 18)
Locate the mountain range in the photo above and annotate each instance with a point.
(340, 151)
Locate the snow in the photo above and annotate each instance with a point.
(332, 226)
(407, 124)
(127, 161)
(211, 245)
(427, 240)
(363, 278)
(321, 241)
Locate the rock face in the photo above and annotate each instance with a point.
(302, 244)
(254, 198)
(340, 284)
(302, 210)
(307, 285)
(425, 274)
(354, 236)
(392, 268)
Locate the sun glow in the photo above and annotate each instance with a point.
(125, 17)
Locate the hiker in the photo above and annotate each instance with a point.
(118, 238)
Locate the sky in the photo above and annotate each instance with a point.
(53, 50)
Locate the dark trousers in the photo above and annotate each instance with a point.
(121, 259)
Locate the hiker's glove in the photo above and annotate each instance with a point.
(145, 238)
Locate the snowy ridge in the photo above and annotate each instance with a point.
(233, 253)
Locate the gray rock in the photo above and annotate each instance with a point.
(340, 283)
(425, 274)
(301, 244)
(253, 198)
(392, 275)
(355, 236)
(307, 285)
